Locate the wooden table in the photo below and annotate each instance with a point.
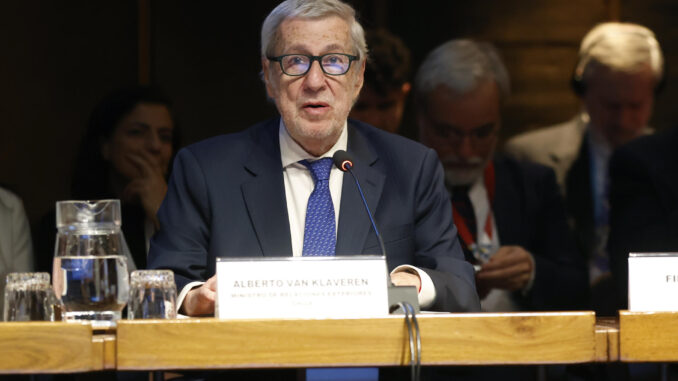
(607, 339)
(447, 339)
(648, 336)
(44, 347)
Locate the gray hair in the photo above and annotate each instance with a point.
(624, 47)
(461, 66)
(311, 9)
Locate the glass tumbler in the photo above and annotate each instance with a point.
(29, 296)
(153, 295)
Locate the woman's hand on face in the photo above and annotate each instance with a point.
(149, 187)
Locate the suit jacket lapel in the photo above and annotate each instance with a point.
(264, 195)
(354, 224)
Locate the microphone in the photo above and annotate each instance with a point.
(398, 296)
(344, 161)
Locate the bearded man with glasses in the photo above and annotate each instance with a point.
(510, 215)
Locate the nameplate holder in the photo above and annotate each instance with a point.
(302, 287)
(653, 282)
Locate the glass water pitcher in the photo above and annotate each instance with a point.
(90, 273)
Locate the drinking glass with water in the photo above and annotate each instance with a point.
(29, 297)
(153, 295)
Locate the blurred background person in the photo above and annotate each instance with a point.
(16, 249)
(644, 202)
(125, 154)
(387, 82)
(619, 69)
(510, 214)
(643, 217)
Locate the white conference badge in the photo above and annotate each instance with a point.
(653, 281)
(302, 287)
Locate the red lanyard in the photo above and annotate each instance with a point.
(461, 223)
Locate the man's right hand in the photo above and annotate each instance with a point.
(200, 300)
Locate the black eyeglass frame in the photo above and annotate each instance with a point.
(279, 60)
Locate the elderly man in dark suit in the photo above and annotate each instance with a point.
(510, 215)
(247, 194)
(619, 69)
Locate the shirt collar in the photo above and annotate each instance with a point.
(291, 152)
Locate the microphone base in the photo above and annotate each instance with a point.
(406, 294)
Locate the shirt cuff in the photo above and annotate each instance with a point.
(184, 292)
(427, 292)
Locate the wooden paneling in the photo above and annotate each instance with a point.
(59, 59)
(659, 15)
(520, 338)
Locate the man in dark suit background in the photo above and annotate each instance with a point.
(644, 202)
(246, 194)
(510, 215)
(643, 216)
(620, 67)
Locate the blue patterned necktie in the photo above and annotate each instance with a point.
(320, 238)
(319, 230)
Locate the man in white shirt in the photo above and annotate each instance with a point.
(16, 249)
(247, 194)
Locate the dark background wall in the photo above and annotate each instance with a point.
(60, 58)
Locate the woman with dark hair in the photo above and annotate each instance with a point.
(126, 154)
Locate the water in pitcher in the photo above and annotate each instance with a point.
(92, 287)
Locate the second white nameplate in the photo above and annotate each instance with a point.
(653, 282)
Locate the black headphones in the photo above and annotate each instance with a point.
(577, 81)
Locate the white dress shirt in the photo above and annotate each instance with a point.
(497, 300)
(299, 183)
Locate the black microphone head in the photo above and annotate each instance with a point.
(343, 160)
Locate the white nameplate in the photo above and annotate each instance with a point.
(302, 287)
(653, 282)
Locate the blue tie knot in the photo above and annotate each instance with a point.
(320, 169)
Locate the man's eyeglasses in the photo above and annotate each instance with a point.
(299, 64)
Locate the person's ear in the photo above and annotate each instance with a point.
(266, 75)
(360, 80)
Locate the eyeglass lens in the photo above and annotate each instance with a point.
(297, 64)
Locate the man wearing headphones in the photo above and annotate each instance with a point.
(619, 70)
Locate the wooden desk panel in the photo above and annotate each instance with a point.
(452, 339)
(47, 347)
(648, 336)
(607, 339)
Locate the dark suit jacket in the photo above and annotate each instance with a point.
(226, 197)
(644, 202)
(529, 212)
(579, 201)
